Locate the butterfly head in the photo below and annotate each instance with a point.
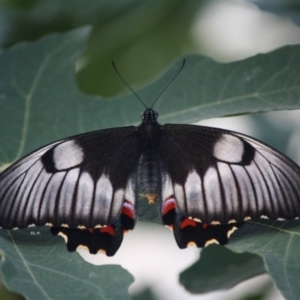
(149, 116)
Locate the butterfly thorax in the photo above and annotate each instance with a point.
(150, 165)
(149, 115)
(149, 128)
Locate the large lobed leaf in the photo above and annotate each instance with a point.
(41, 103)
(286, 8)
(47, 271)
(225, 267)
(278, 243)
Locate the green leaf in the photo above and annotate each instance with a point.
(8, 295)
(38, 88)
(145, 294)
(259, 294)
(115, 34)
(39, 267)
(286, 8)
(278, 243)
(219, 268)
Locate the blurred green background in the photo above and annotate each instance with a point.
(142, 37)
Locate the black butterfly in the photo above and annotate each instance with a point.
(209, 181)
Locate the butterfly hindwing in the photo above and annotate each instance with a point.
(73, 185)
(219, 178)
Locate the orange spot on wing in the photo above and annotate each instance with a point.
(107, 229)
(188, 222)
(91, 230)
(205, 225)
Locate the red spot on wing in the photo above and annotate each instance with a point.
(91, 230)
(108, 229)
(205, 225)
(188, 222)
(128, 209)
(169, 205)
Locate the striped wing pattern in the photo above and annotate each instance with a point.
(69, 182)
(223, 176)
(72, 184)
(221, 179)
(212, 180)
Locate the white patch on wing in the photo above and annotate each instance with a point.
(286, 174)
(275, 199)
(212, 194)
(212, 241)
(179, 196)
(65, 237)
(193, 192)
(230, 190)
(290, 199)
(103, 199)
(117, 203)
(21, 202)
(49, 199)
(37, 193)
(8, 177)
(8, 205)
(191, 244)
(167, 187)
(247, 201)
(67, 155)
(256, 206)
(215, 223)
(65, 201)
(84, 196)
(9, 184)
(229, 148)
(231, 231)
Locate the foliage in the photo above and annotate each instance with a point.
(40, 102)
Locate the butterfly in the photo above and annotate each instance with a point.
(209, 181)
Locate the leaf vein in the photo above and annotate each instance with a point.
(26, 265)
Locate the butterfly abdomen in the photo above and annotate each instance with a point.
(150, 175)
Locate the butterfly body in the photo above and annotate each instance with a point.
(208, 181)
(150, 165)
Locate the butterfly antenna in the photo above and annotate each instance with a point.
(113, 63)
(183, 62)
